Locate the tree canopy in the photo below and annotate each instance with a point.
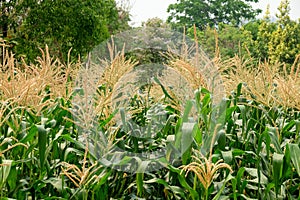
(284, 42)
(61, 24)
(204, 13)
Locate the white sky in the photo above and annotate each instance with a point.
(141, 10)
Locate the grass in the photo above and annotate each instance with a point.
(48, 151)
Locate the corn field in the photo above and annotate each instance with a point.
(47, 151)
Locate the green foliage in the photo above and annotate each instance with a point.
(284, 41)
(44, 155)
(79, 25)
(265, 30)
(8, 18)
(186, 13)
(227, 40)
(61, 25)
(259, 143)
(274, 41)
(156, 23)
(277, 41)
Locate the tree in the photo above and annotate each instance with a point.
(155, 23)
(265, 30)
(61, 24)
(202, 13)
(284, 41)
(4, 17)
(158, 34)
(229, 40)
(10, 17)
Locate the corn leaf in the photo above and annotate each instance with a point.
(277, 169)
(295, 156)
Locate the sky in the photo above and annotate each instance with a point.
(141, 10)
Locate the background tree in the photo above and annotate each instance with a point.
(204, 13)
(284, 42)
(229, 40)
(264, 34)
(11, 16)
(4, 17)
(123, 7)
(157, 33)
(156, 23)
(61, 24)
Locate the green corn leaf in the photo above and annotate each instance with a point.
(238, 93)
(72, 140)
(187, 109)
(183, 182)
(274, 139)
(240, 185)
(157, 180)
(42, 139)
(5, 170)
(197, 135)
(123, 118)
(268, 189)
(295, 156)
(13, 177)
(163, 88)
(140, 183)
(227, 156)
(70, 150)
(140, 175)
(142, 165)
(254, 173)
(110, 117)
(56, 182)
(175, 189)
(183, 119)
(222, 140)
(187, 136)
(297, 123)
(234, 188)
(30, 134)
(218, 195)
(288, 126)
(204, 91)
(277, 170)
(104, 178)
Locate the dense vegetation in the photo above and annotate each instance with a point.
(210, 12)
(263, 39)
(245, 148)
(61, 25)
